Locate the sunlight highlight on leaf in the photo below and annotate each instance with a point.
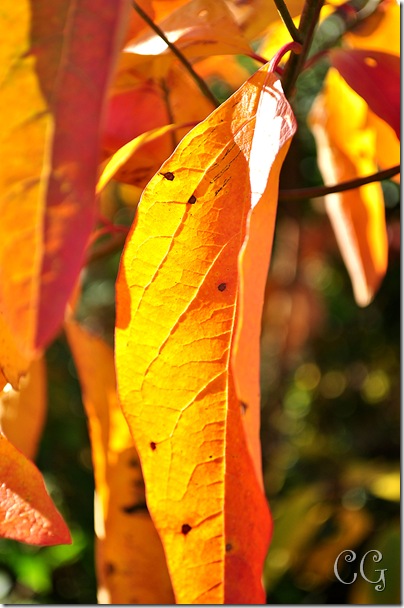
(176, 312)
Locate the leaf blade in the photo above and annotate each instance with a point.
(47, 196)
(174, 378)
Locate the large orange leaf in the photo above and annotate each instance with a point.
(346, 143)
(177, 292)
(131, 566)
(27, 512)
(22, 412)
(56, 60)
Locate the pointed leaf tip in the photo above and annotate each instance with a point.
(27, 513)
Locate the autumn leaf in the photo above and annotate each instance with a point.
(130, 560)
(369, 73)
(56, 61)
(346, 149)
(177, 294)
(23, 411)
(199, 28)
(27, 513)
(13, 364)
(143, 108)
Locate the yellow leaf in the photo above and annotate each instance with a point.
(23, 411)
(177, 292)
(347, 149)
(131, 565)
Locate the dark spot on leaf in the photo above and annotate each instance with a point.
(138, 484)
(134, 463)
(222, 286)
(170, 176)
(185, 528)
(229, 547)
(109, 569)
(243, 407)
(192, 200)
(153, 445)
(138, 506)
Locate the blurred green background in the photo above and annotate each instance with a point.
(330, 416)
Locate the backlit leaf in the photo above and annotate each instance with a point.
(130, 559)
(56, 60)
(346, 150)
(177, 294)
(198, 29)
(27, 512)
(13, 364)
(375, 76)
(22, 412)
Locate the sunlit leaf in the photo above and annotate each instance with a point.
(13, 364)
(375, 76)
(199, 28)
(380, 31)
(254, 16)
(27, 513)
(56, 61)
(346, 150)
(176, 312)
(23, 411)
(145, 107)
(130, 560)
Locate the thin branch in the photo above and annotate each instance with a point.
(304, 193)
(288, 21)
(307, 26)
(199, 81)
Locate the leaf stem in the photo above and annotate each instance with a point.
(307, 26)
(199, 81)
(304, 193)
(288, 21)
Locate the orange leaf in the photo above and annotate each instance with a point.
(145, 107)
(130, 559)
(56, 60)
(176, 311)
(199, 28)
(27, 512)
(22, 412)
(13, 364)
(346, 150)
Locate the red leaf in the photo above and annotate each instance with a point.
(27, 512)
(57, 59)
(375, 76)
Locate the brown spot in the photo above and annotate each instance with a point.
(109, 569)
(229, 547)
(168, 175)
(153, 445)
(192, 200)
(133, 463)
(222, 286)
(243, 407)
(138, 506)
(185, 528)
